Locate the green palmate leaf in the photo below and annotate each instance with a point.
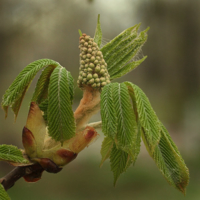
(106, 148)
(41, 90)
(170, 162)
(98, 33)
(126, 124)
(119, 160)
(122, 49)
(123, 55)
(118, 118)
(147, 117)
(15, 93)
(127, 68)
(108, 111)
(113, 44)
(12, 154)
(3, 193)
(61, 123)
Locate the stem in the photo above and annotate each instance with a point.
(9, 180)
(89, 105)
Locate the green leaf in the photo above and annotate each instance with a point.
(127, 68)
(3, 193)
(61, 123)
(122, 49)
(44, 107)
(126, 124)
(121, 56)
(98, 33)
(146, 115)
(119, 161)
(106, 148)
(41, 90)
(12, 154)
(114, 43)
(170, 162)
(108, 112)
(15, 93)
(80, 33)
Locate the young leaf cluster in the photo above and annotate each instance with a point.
(53, 94)
(127, 115)
(122, 142)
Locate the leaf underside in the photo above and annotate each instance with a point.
(3, 193)
(61, 123)
(12, 154)
(15, 93)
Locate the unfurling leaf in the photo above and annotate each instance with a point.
(12, 154)
(61, 123)
(3, 193)
(127, 68)
(122, 49)
(15, 93)
(147, 117)
(41, 90)
(98, 33)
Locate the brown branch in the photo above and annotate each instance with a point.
(9, 180)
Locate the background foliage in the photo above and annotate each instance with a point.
(30, 30)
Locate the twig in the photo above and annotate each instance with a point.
(9, 180)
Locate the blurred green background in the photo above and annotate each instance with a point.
(35, 29)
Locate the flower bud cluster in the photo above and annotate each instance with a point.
(93, 68)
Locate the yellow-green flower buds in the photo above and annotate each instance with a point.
(93, 70)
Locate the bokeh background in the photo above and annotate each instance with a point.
(35, 29)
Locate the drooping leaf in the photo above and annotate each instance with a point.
(160, 146)
(61, 123)
(108, 111)
(3, 193)
(147, 117)
(15, 93)
(170, 162)
(41, 90)
(119, 161)
(12, 154)
(127, 68)
(126, 123)
(98, 33)
(106, 148)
